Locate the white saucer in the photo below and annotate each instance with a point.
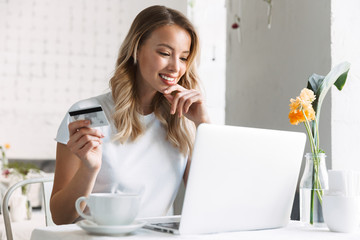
(93, 228)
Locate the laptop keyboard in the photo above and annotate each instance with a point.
(173, 225)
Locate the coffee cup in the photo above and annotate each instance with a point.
(110, 208)
(341, 213)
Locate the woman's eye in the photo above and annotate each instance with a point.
(164, 53)
(183, 59)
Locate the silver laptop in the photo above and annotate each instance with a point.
(240, 179)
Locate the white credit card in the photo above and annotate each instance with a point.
(95, 114)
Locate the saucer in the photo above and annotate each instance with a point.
(93, 228)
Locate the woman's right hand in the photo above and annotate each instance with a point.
(85, 143)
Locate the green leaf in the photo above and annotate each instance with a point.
(337, 76)
(334, 75)
(341, 81)
(315, 82)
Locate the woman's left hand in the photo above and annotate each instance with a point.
(187, 102)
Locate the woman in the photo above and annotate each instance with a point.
(153, 107)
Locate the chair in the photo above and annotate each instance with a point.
(46, 184)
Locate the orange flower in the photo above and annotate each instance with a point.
(300, 106)
(307, 95)
(7, 146)
(310, 113)
(296, 117)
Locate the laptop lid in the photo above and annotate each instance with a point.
(241, 179)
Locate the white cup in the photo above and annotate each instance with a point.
(341, 213)
(110, 208)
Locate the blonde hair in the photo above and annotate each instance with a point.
(180, 131)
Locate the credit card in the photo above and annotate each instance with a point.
(95, 114)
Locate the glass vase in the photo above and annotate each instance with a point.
(313, 184)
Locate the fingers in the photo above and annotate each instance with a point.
(173, 88)
(182, 101)
(169, 98)
(83, 138)
(76, 125)
(188, 102)
(88, 147)
(79, 140)
(179, 101)
(80, 127)
(196, 97)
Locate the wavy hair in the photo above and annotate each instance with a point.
(180, 131)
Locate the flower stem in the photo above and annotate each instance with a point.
(311, 138)
(316, 188)
(317, 136)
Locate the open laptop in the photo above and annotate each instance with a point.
(240, 179)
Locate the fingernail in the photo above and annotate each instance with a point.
(87, 121)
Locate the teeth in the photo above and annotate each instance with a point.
(167, 78)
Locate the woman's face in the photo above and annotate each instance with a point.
(162, 59)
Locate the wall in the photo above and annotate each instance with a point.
(53, 53)
(212, 33)
(345, 125)
(270, 66)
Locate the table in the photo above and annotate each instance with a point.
(22, 230)
(294, 231)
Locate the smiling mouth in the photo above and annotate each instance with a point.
(167, 79)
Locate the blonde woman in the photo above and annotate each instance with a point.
(153, 108)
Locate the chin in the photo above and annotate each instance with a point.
(161, 90)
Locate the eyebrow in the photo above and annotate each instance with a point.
(168, 46)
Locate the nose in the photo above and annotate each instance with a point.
(174, 64)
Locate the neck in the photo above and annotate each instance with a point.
(145, 96)
(146, 110)
(145, 102)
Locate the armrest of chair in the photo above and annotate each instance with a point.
(5, 204)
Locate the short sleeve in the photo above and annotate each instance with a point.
(62, 135)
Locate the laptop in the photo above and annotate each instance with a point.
(240, 179)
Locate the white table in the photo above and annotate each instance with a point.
(22, 229)
(294, 231)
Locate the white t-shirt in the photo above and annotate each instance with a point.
(150, 165)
